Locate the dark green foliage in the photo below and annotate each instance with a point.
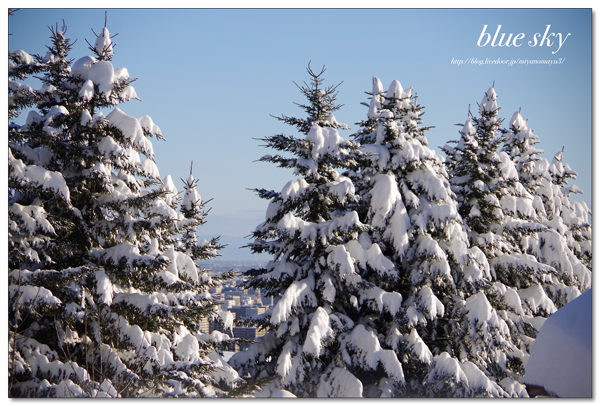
(105, 298)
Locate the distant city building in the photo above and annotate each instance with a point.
(249, 311)
(239, 312)
(255, 311)
(232, 290)
(243, 304)
(236, 300)
(226, 304)
(204, 325)
(248, 333)
(267, 300)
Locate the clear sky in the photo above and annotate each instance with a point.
(210, 79)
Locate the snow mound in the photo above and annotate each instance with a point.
(132, 130)
(362, 347)
(103, 43)
(340, 383)
(318, 332)
(82, 66)
(297, 294)
(561, 357)
(282, 393)
(102, 74)
(38, 175)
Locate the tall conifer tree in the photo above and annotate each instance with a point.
(323, 338)
(105, 298)
(498, 213)
(406, 198)
(566, 241)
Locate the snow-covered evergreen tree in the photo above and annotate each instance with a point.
(574, 215)
(519, 144)
(499, 214)
(405, 196)
(510, 207)
(322, 337)
(566, 242)
(105, 298)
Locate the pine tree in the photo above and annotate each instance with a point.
(321, 338)
(105, 298)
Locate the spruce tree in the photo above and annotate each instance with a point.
(405, 197)
(520, 144)
(105, 299)
(323, 338)
(565, 243)
(500, 216)
(574, 215)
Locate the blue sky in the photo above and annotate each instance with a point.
(210, 79)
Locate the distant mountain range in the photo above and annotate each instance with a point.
(234, 257)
